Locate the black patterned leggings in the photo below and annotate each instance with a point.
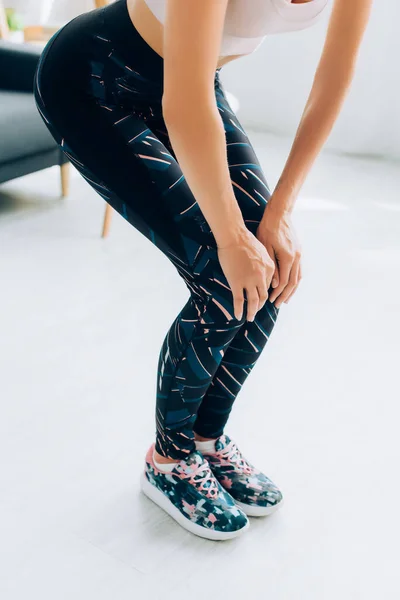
(98, 87)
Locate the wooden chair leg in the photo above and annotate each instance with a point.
(107, 221)
(65, 172)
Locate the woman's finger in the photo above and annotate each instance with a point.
(238, 301)
(285, 263)
(275, 275)
(262, 293)
(253, 300)
(299, 276)
(291, 293)
(291, 283)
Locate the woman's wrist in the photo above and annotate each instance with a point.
(284, 196)
(233, 235)
(279, 206)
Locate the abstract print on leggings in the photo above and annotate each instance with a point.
(103, 107)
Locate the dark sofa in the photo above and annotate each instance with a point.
(26, 145)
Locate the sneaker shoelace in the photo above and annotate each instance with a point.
(231, 455)
(203, 478)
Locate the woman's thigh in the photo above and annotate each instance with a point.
(249, 183)
(98, 111)
(125, 158)
(249, 186)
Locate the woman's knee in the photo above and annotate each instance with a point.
(219, 305)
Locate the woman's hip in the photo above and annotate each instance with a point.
(100, 55)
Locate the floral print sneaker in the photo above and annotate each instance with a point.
(192, 496)
(253, 492)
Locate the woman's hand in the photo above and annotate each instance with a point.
(247, 266)
(277, 234)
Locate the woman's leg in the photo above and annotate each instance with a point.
(252, 193)
(107, 116)
(114, 143)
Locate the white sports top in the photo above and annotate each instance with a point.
(247, 22)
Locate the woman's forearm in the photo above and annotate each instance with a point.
(318, 118)
(199, 142)
(331, 82)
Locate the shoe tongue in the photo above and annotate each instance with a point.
(222, 442)
(194, 460)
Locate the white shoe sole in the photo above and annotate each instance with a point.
(163, 502)
(258, 511)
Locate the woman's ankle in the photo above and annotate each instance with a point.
(163, 460)
(205, 445)
(200, 438)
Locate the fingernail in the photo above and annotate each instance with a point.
(274, 283)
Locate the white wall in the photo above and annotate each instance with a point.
(58, 11)
(273, 84)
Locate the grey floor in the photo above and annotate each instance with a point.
(82, 320)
